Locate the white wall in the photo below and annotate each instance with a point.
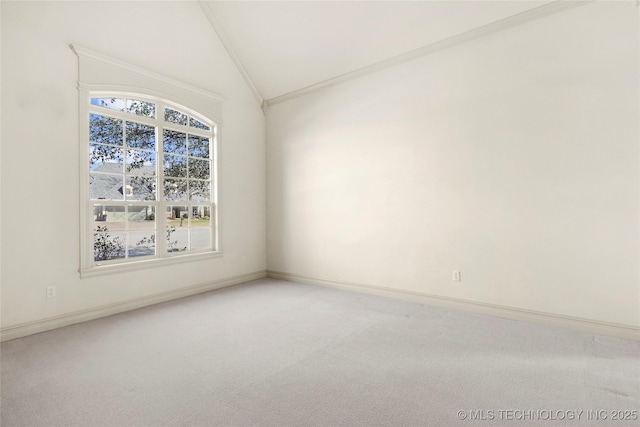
(513, 158)
(40, 183)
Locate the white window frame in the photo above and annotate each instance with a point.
(162, 91)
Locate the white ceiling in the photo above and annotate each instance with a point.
(286, 46)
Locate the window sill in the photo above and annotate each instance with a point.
(101, 270)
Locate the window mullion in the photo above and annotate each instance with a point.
(126, 229)
(123, 116)
(161, 215)
(89, 253)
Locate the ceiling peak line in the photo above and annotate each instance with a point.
(447, 43)
(232, 53)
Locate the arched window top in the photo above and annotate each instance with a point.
(146, 106)
(130, 105)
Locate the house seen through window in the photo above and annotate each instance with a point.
(151, 180)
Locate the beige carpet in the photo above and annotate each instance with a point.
(276, 353)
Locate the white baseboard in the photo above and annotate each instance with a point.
(567, 322)
(584, 325)
(24, 329)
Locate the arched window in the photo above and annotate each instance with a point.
(148, 167)
(151, 179)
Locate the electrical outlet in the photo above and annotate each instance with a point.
(457, 276)
(51, 292)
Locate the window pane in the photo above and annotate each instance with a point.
(174, 142)
(199, 169)
(141, 162)
(141, 108)
(177, 238)
(198, 146)
(177, 215)
(141, 179)
(105, 130)
(142, 231)
(175, 190)
(140, 188)
(173, 116)
(201, 212)
(105, 158)
(107, 246)
(200, 227)
(200, 190)
(108, 232)
(112, 217)
(198, 124)
(111, 103)
(175, 166)
(141, 136)
(201, 238)
(177, 228)
(106, 187)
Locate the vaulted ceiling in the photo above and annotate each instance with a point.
(283, 47)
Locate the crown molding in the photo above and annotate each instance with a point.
(232, 53)
(465, 37)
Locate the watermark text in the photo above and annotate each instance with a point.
(548, 414)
